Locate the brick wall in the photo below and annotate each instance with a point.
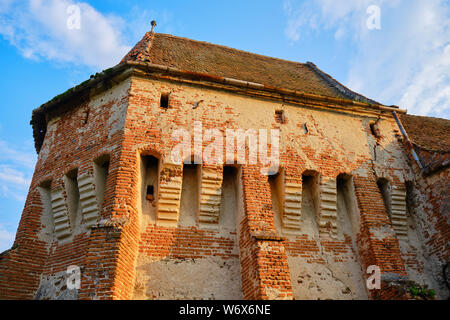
(125, 254)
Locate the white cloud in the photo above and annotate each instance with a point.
(6, 239)
(16, 170)
(25, 157)
(406, 63)
(39, 29)
(12, 176)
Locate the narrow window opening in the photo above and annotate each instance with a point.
(149, 185)
(101, 170)
(385, 188)
(346, 205)
(190, 195)
(276, 191)
(229, 198)
(73, 197)
(47, 215)
(280, 116)
(310, 202)
(164, 100)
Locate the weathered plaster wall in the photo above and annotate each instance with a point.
(210, 234)
(335, 143)
(426, 251)
(188, 262)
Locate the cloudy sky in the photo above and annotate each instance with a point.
(394, 51)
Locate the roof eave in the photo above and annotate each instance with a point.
(146, 66)
(39, 117)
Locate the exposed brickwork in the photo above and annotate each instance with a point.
(68, 145)
(320, 237)
(430, 223)
(377, 242)
(187, 243)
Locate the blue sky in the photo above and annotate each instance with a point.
(405, 60)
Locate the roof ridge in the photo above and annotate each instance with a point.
(336, 85)
(339, 86)
(428, 117)
(149, 44)
(231, 48)
(143, 45)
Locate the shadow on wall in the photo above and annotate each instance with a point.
(324, 266)
(192, 262)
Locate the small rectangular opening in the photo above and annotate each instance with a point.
(279, 116)
(150, 193)
(164, 100)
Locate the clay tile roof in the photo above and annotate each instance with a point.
(431, 139)
(207, 59)
(216, 60)
(428, 133)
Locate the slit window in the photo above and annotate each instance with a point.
(276, 183)
(280, 116)
(346, 204)
(101, 170)
(149, 167)
(149, 176)
(164, 103)
(73, 196)
(47, 216)
(310, 191)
